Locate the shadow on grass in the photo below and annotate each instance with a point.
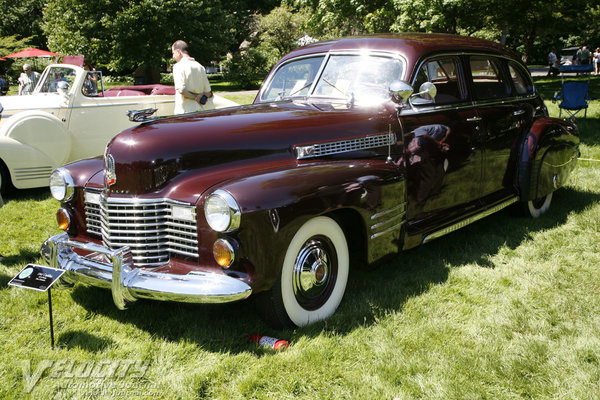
(82, 340)
(24, 256)
(371, 292)
(26, 194)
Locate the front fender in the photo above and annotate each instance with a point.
(275, 204)
(547, 157)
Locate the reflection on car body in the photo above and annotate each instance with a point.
(368, 145)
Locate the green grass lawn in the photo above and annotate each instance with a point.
(506, 308)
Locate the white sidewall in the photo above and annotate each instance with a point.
(537, 212)
(317, 226)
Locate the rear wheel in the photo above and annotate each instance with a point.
(535, 208)
(313, 276)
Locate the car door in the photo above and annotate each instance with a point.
(502, 120)
(443, 147)
(96, 119)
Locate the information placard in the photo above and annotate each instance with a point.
(36, 277)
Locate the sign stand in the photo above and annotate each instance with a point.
(51, 323)
(39, 278)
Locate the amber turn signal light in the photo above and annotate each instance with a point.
(224, 253)
(63, 219)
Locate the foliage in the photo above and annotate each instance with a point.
(9, 45)
(22, 19)
(247, 68)
(531, 27)
(123, 35)
(275, 35)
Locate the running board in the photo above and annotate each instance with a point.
(470, 220)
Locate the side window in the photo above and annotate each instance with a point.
(91, 83)
(521, 81)
(444, 73)
(487, 78)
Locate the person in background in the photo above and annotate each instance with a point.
(596, 60)
(585, 55)
(192, 89)
(4, 85)
(552, 61)
(27, 80)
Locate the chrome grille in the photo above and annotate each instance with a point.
(343, 146)
(148, 227)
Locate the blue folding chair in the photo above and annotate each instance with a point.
(574, 96)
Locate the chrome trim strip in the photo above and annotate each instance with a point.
(383, 223)
(23, 174)
(129, 284)
(344, 146)
(470, 220)
(389, 210)
(393, 215)
(386, 231)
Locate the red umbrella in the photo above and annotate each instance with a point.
(31, 52)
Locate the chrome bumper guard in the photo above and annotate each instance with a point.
(115, 271)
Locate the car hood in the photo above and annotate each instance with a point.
(230, 143)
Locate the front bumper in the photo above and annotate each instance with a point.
(113, 269)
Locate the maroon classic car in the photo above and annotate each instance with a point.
(369, 145)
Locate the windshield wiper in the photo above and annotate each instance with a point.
(301, 89)
(333, 86)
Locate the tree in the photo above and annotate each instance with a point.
(22, 19)
(274, 35)
(125, 34)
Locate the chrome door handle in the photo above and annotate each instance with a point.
(518, 112)
(474, 119)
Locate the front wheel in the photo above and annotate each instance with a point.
(313, 276)
(535, 208)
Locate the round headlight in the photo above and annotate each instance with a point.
(222, 211)
(62, 186)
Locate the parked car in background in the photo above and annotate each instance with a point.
(68, 117)
(367, 145)
(567, 55)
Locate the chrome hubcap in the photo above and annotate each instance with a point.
(315, 271)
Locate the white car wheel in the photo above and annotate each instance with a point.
(315, 271)
(537, 207)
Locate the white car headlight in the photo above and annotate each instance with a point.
(62, 186)
(222, 211)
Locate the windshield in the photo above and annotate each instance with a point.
(362, 78)
(56, 78)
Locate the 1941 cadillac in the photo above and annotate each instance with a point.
(68, 117)
(371, 144)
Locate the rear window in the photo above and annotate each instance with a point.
(486, 74)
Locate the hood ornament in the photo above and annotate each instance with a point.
(110, 177)
(141, 115)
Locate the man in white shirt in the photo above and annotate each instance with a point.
(192, 89)
(27, 80)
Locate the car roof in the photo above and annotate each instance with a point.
(412, 45)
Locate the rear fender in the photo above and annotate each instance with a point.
(41, 131)
(548, 155)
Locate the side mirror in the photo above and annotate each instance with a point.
(428, 89)
(400, 91)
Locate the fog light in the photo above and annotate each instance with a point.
(63, 218)
(224, 253)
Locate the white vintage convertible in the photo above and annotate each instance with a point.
(68, 117)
